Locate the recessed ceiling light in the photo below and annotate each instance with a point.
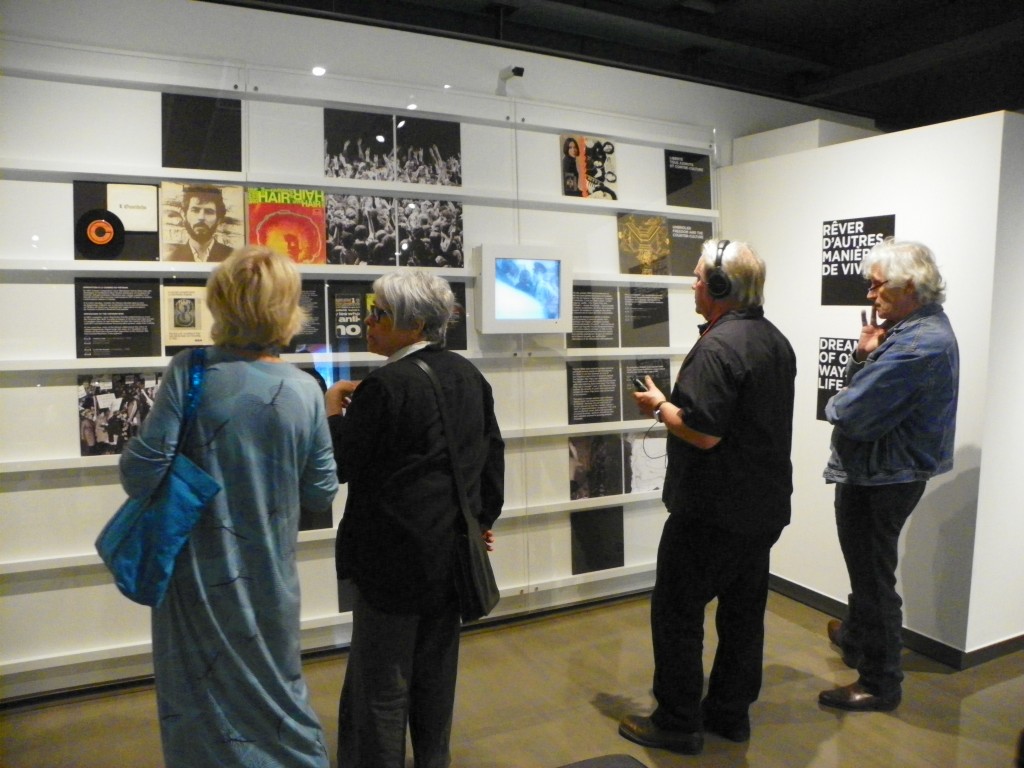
(319, 71)
(410, 106)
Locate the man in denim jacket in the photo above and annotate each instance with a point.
(893, 429)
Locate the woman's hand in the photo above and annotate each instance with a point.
(339, 396)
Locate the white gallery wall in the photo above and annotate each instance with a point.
(959, 188)
(80, 99)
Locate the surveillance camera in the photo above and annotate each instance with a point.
(509, 72)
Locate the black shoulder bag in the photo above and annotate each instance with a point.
(474, 579)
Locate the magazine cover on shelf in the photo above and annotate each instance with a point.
(117, 318)
(687, 179)
(116, 221)
(658, 245)
(361, 230)
(595, 466)
(291, 222)
(200, 222)
(202, 132)
(186, 319)
(588, 167)
(414, 150)
(430, 233)
(598, 541)
(110, 409)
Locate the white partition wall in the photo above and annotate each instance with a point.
(959, 188)
(80, 100)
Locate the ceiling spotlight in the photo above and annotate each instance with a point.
(410, 106)
(319, 71)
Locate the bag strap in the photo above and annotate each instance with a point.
(196, 369)
(472, 523)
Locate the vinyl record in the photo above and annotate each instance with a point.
(99, 234)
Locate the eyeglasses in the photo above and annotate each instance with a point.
(876, 285)
(378, 313)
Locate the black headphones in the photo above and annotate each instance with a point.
(718, 283)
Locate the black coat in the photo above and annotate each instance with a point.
(397, 535)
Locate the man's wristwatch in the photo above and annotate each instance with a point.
(657, 411)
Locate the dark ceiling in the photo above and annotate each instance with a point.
(904, 63)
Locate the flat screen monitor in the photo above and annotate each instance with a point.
(523, 289)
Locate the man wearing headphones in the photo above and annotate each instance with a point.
(727, 490)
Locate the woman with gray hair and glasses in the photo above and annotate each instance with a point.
(402, 519)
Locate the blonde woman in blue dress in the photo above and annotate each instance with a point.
(229, 680)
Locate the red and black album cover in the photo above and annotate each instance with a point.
(291, 222)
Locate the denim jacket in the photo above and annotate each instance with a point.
(895, 419)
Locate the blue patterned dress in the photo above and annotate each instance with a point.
(229, 680)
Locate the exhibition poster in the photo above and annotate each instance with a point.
(843, 244)
(595, 317)
(644, 316)
(833, 356)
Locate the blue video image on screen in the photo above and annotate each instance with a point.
(526, 289)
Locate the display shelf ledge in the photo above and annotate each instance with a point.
(52, 465)
(560, 507)
(627, 278)
(566, 430)
(64, 562)
(626, 353)
(63, 170)
(561, 204)
(68, 269)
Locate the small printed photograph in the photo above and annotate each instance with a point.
(361, 230)
(430, 233)
(428, 151)
(359, 145)
(111, 407)
(588, 167)
(200, 222)
(595, 466)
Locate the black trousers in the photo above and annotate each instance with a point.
(869, 519)
(697, 563)
(401, 671)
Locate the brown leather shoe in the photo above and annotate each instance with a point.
(834, 629)
(642, 730)
(854, 698)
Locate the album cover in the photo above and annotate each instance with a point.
(598, 539)
(201, 132)
(116, 221)
(187, 321)
(658, 245)
(595, 466)
(588, 167)
(687, 179)
(291, 222)
(200, 222)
